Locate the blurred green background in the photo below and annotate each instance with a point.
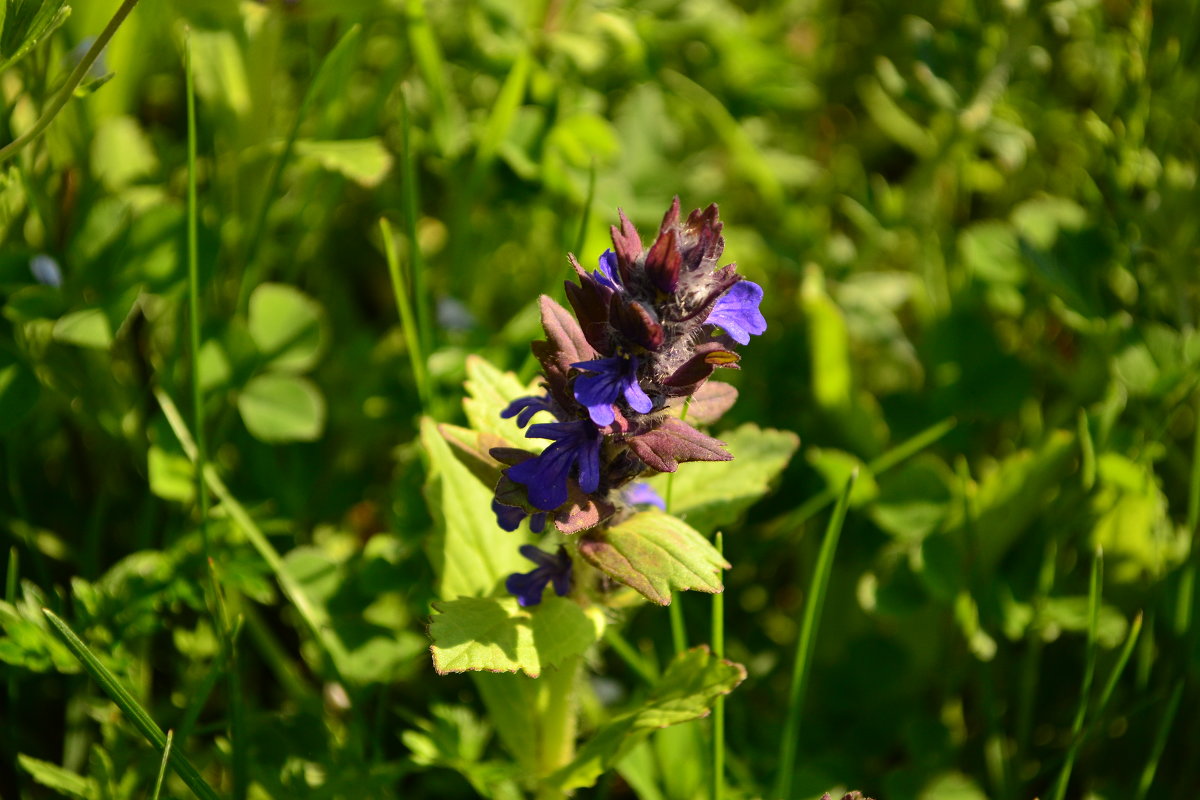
(982, 215)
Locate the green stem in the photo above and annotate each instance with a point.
(807, 641)
(718, 645)
(556, 746)
(73, 80)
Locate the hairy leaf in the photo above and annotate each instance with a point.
(653, 553)
(674, 442)
(498, 635)
(711, 495)
(470, 554)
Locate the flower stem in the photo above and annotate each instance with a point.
(556, 746)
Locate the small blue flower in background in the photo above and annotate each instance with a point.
(641, 493)
(509, 517)
(546, 475)
(611, 378)
(453, 315)
(45, 270)
(523, 408)
(607, 275)
(529, 586)
(736, 312)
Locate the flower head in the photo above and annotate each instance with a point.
(640, 338)
(529, 586)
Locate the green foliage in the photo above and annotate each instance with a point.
(655, 553)
(686, 691)
(497, 635)
(976, 229)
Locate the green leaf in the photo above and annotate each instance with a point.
(952, 786)
(713, 494)
(991, 251)
(121, 152)
(836, 467)
(686, 691)
(470, 553)
(287, 326)
(1012, 495)
(653, 553)
(87, 328)
(364, 161)
(57, 778)
(219, 69)
(489, 392)
(1072, 614)
(282, 408)
(913, 499)
(171, 475)
(498, 635)
(26, 24)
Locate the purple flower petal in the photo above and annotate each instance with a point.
(545, 476)
(606, 381)
(641, 493)
(507, 517)
(607, 275)
(736, 312)
(523, 408)
(529, 586)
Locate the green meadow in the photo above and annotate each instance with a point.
(255, 255)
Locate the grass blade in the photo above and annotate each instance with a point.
(1160, 742)
(1089, 670)
(315, 617)
(129, 706)
(258, 231)
(402, 289)
(807, 641)
(162, 768)
(718, 645)
(902, 452)
(412, 202)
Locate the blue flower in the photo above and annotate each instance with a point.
(545, 475)
(523, 408)
(608, 275)
(736, 312)
(612, 377)
(509, 517)
(529, 586)
(45, 270)
(641, 493)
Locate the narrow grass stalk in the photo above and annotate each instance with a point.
(237, 731)
(897, 455)
(403, 291)
(1160, 742)
(718, 645)
(162, 767)
(412, 203)
(1089, 670)
(1187, 582)
(315, 617)
(1027, 689)
(586, 216)
(76, 77)
(625, 651)
(675, 610)
(12, 575)
(806, 644)
(130, 707)
(258, 231)
(1135, 630)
